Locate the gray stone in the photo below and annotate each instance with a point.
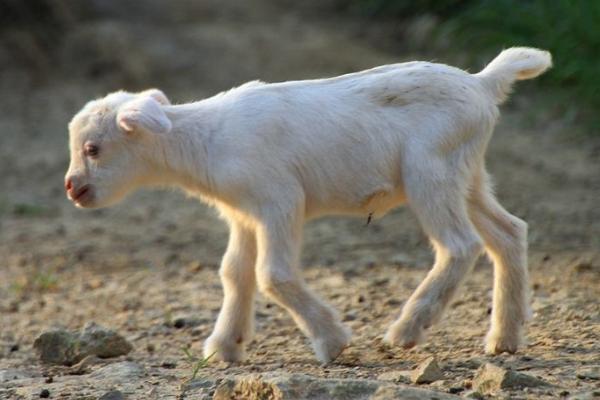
(473, 394)
(198, 389)
(57, 347)
(103, 342)
(491, 378)
(60, 346)
(428, 371)
(283, 386)
(119, 372)
(112, 395)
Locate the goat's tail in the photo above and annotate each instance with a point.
(514, 64)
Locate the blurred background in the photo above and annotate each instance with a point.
(55, 55)
(58, 54)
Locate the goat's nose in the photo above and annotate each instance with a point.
(68, 184)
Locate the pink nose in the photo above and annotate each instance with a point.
(72, 185)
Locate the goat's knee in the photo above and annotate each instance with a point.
(464, 250)
(275, 284)
(314, 317)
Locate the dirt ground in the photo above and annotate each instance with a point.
(140, 266)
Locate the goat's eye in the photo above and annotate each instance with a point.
(91, 150)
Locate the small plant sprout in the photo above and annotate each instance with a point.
(195, 362)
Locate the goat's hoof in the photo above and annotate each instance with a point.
(498, 344)
(328, 348)
(404, 334)
(220, 349)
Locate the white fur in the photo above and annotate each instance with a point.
(271, 156)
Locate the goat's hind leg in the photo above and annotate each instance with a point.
(442, 211)
(505, 239)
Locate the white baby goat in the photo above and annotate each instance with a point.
(271, 156)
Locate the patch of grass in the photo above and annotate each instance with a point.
(195, 363)
(569, 29)
(4, 207)
(39, 282)
(30, 210)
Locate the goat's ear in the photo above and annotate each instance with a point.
(157, 95)
(143, 114)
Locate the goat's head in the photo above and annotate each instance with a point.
(109, 140)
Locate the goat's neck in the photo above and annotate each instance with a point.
(181, 157)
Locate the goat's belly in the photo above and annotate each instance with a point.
(375, 203)
(383, 200)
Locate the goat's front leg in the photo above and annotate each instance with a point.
(278, 277)
(234, 327)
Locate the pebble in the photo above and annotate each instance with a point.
(428, 371)
(491, 378)
(455, 389)
(45, 393)
(474, 394)
(60, 346)
(179, 323)
(112, 395)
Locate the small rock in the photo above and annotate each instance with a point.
(491, 378)
(60, 346)
(45, 393)
(112, 395)
(168, 364)
(179, 323)
(428, 371)
(103, 342)
(118, 372)
(389, 392)
(56, 347)
(14, 347)
(283, 386)
(196, 387)
(395, 376)
(186, 321)
(359, 299)
(473, 394)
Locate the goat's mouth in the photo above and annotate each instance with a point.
(83, 196)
